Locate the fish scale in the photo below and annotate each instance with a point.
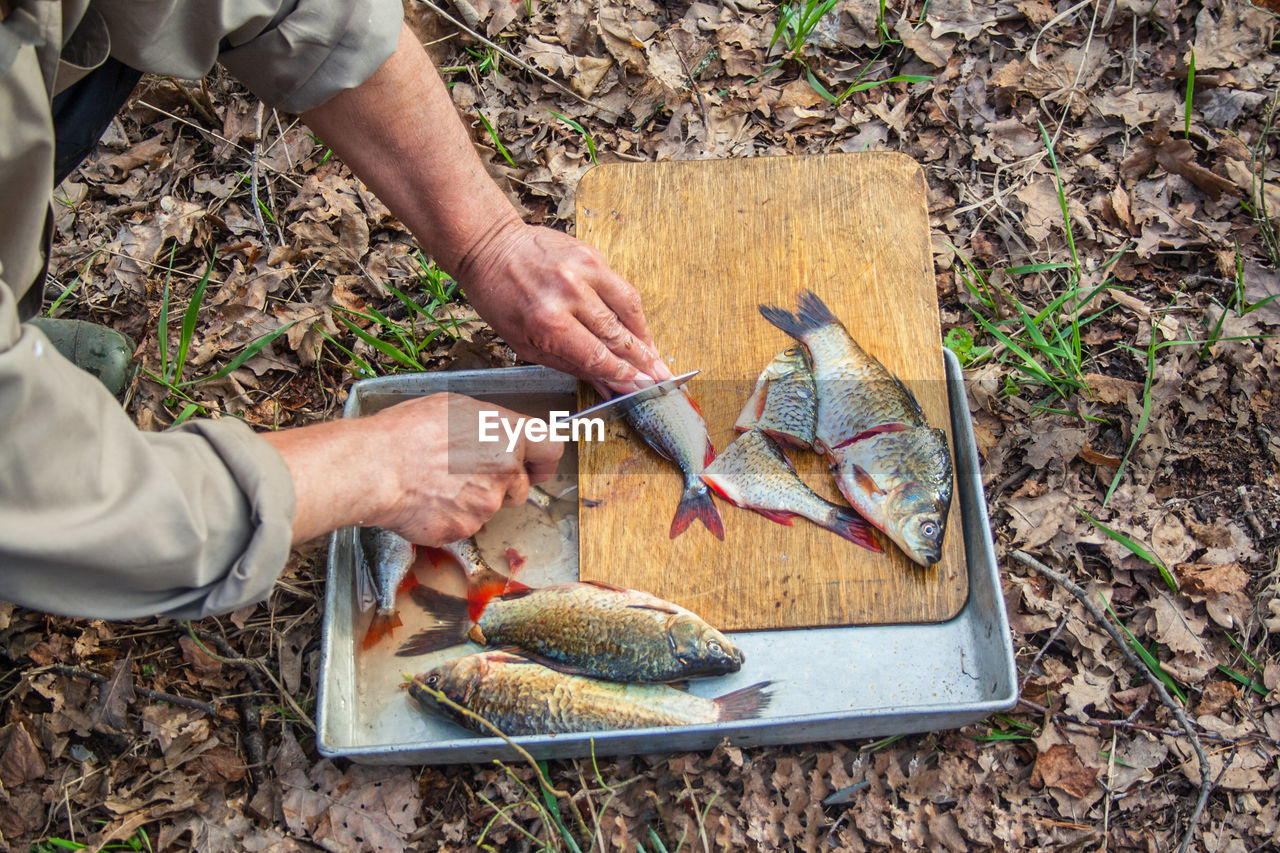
(890, 465)
(522, 697)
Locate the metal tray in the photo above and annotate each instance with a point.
(828, 683)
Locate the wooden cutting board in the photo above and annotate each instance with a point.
(705, 242)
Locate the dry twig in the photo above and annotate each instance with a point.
(1206, 784)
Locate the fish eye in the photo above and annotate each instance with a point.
(433, 679)
(714, 646)
(929, 529)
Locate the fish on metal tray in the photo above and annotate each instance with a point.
(889, 464)
(673, 426)
(483, 580)
(587, 628)
(383, 560)
(784, 404)
(753, 473)
(523, 697)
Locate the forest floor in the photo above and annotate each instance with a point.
(1102, 186)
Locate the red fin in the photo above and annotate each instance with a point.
(781, 516)
(608, 586)
(515, 560)
(875, 430)
(855, 528)
(786, 439)
(692, 402)
(696, 503)
(710, 455)
(408, 582)
(657, 608)
(437, 556)
(482, 592)
(381, 626)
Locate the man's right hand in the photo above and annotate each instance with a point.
(417, 468)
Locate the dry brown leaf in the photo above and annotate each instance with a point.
(114, 697)
(1060, 767)
(21, 762)
(365, 808)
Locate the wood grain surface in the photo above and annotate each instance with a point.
(705, 242)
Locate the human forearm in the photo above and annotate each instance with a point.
(551, 297)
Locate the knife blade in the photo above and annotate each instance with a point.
(615, 408)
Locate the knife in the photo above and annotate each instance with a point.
(615, 408)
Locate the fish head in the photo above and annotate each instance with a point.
(701, 648)
(918, 518)
(900, 481)
(456, 679)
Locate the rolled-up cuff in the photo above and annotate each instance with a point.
(317, 51)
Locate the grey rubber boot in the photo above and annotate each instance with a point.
(102, 351)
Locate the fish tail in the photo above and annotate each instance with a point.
(696, 503)
(744, 704)
(813, 314)
(850, 525)
(482, 587)
(450, 612)
(381, 626)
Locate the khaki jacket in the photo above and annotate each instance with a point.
(96, 517)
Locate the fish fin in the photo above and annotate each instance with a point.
(718, 486)
(657, 608)
(483, 587)
(814, 312)
(744, 704)
(783, 319)
(865, 481)
(431, 640)
(512, 655)
(381, 626)
(602, 585)
(564, 668)
(679, 684)
(437, 556)
(696, 503)
(710, 455)
(692, 402)
(781, 516)
(407, 583)
(856, 529)
(448, 609)
(515, 560)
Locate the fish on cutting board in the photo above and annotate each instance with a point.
(383, 560)
(753, 473)
(889, 463)
(672, 425)
(587, 628)
(784, 404)
(523, 697)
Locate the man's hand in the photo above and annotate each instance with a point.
(553, 298)
(555, 301)
(417, 468)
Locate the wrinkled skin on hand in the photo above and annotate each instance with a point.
(445, 482)
(555, 301)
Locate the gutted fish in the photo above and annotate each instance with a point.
(784, 404)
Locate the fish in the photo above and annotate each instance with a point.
(784, 404)
(672, 425)
(520, 696)
(383, 561)
(753, 473)
(483, 580)
(889, 463)
(585, 628)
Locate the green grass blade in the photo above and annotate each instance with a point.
(818, 87)
(1136, 548)
(1046, 267)
(553, 808)
(871, 84)
(363, 368)
(162, 323)
(191, 409)
(1253, 663)
(188, 329)
(252, 349)
(1243, 679)
(591, 143)
(1142, 419)
(1144, 655)
(1191, 88)
(493, 134)
(389, 350)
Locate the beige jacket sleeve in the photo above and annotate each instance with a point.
(294, 54)
(96, 517)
